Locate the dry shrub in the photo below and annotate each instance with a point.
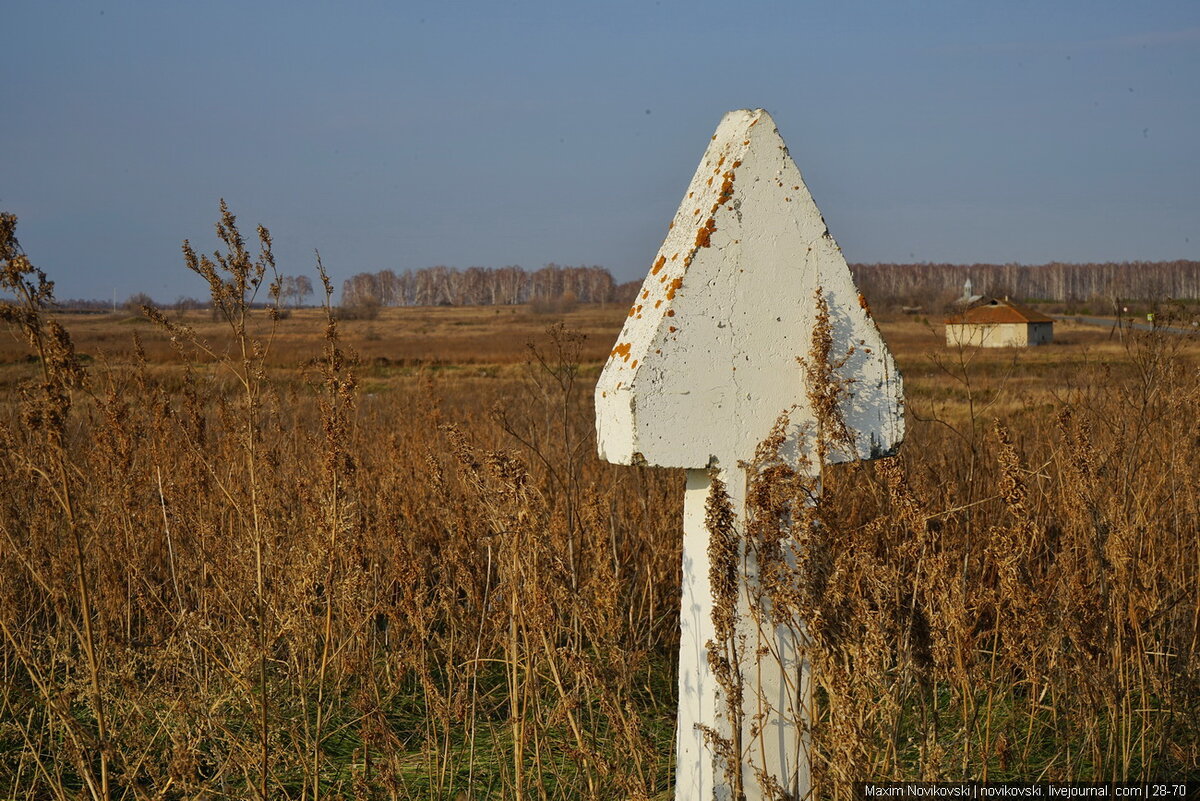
(1013, 605)
(224, 576)
(559, 304)
(274, 586)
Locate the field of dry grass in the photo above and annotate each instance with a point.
(399, 337)
(379, 559)
(494, 342)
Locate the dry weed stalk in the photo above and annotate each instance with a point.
(420, 604)
(45, 410)
(1053, 646)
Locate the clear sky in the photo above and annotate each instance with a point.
(404, 135)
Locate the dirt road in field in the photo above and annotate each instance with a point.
(1142, 325)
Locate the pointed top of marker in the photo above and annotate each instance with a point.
(708, 358)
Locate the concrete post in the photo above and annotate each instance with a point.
(703, 368)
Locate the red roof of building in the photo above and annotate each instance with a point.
(993, 311)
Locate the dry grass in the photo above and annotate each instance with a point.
(1016, 596)
(399, 337)
(249, 563)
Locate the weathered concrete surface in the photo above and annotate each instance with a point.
(706, 361)
(705, 365)
(776, 687)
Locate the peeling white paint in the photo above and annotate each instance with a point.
(704, 366)
(712, 339)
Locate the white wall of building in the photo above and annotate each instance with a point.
(998, 335)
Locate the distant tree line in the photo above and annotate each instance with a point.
(928, 285)
(480, 286)
(931, 284)
(882, 284)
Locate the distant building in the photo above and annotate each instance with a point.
(968, 296)
(995, 323)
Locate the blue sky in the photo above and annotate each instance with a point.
(403, 135)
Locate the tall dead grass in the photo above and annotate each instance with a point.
(256, 581)
(1004, 604)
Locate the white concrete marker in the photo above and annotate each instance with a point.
(704, 366)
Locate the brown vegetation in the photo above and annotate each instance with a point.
(246, 558)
